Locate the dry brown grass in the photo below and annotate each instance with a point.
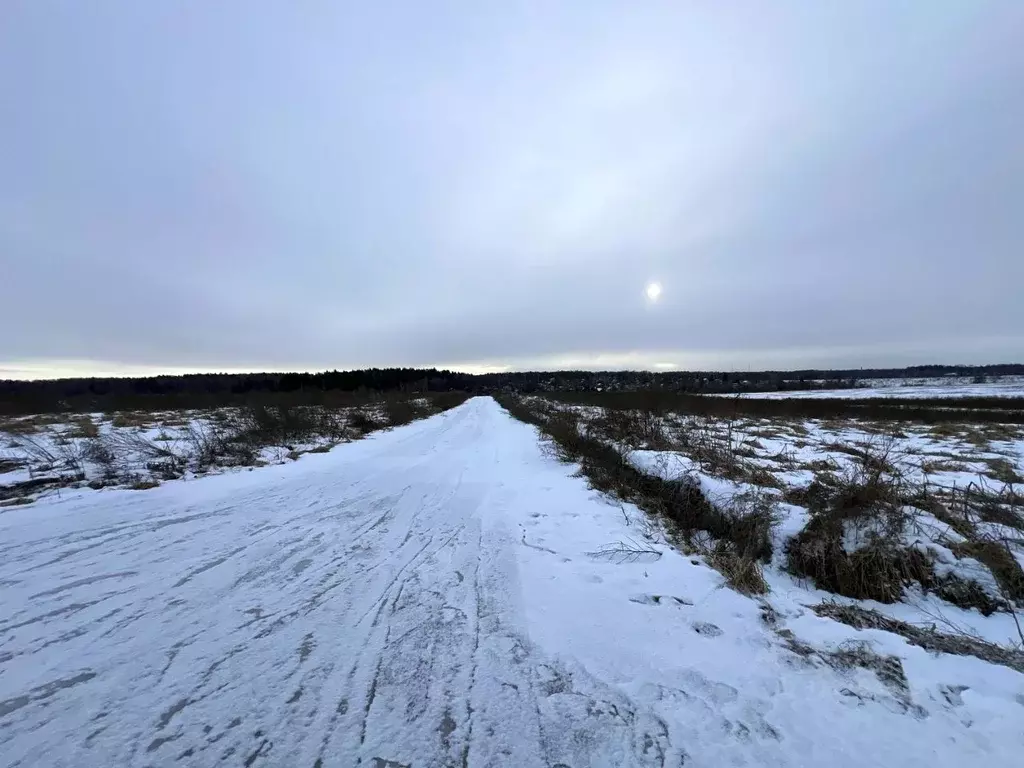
(946, 431)
(971, 512)
(1002, 471)
(821, 465)
(929, 639)
(999, 560)
(720, 449)
(17, 501)
(29, 425)
(744, 574)
(1001, 432)
(943, 465)
(862, 511)
(631, 428)
(84, 427)
(875, 459)
(883, 565)
(124, 419)
(762, 476)
(980, 436)
(866, 499)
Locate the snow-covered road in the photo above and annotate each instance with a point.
(423, 597)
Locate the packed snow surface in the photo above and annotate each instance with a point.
(439, 594)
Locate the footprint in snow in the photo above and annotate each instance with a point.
(380, 762)
(707, 629)
(659, 600)
(951, 693)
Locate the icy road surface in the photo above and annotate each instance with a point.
(424, 597)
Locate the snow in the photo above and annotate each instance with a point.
(668, 465)
(135, 449)
(1010, 386)
(431, 596)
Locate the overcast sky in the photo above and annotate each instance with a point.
(307, 185)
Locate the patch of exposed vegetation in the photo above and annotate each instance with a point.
(991, 418)
(866, 505)
(1002, 471)
(84, 427)
(17, 501)
(75, 451)
(736, 539)
(929, 639)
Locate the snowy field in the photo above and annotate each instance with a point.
(448, 593)
(46, 454)
(1005, 386)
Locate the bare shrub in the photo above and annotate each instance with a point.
(157, 456)
(60, 456)
(443, 401)
(565, 431)
(207, 444)
(399, 412)
(263, 425)
(633, 428)
(628, 551)
(715, 453)
(362, 423)
(331, 423)
(100, 453)
(38, 451)
(719, 448)
(875, 460)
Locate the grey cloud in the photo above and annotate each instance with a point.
(330, 185)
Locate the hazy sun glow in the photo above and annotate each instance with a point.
(653, 292)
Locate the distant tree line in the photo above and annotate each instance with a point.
(207, 390)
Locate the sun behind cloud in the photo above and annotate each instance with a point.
(653, 292)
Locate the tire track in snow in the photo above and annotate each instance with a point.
(358, 607)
